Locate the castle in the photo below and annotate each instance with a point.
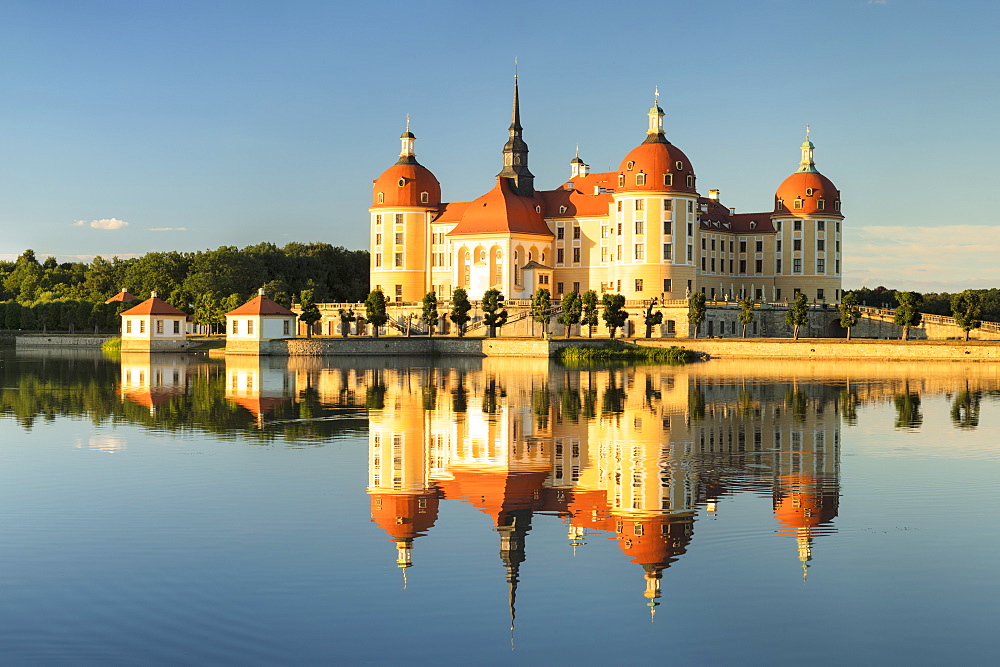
(643, 231)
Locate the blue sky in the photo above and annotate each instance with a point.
(211, 123)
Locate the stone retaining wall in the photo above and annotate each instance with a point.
(842, 349)
(42, 340)
(406, 347)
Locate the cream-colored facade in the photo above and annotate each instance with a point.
(643, 231)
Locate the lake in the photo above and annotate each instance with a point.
(165, 509)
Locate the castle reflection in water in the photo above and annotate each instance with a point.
(638, 454)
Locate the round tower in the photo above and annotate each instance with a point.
(653, 219)
(404, 199)
(808, 221)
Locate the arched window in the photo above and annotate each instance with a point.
(424, 197)
(640, 179)
(797, 204)
(621, 180)
(381, 198)
(668, 180)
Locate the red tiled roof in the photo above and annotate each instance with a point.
(261, 305)
(123, 296)
(797, 186)
(415, 179)
(654, 160)
(451, 212)
(154, 306)
(500, 211)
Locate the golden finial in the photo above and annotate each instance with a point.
(407, 122)
(515, 67)
(656, 96)
(807, 131)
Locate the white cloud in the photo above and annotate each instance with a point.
(108, 223)
(167, 229)
(79, 223)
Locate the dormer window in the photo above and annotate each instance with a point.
(820, 204)
(690, 181)
(640, 179)
(809, 192)
(562, 209)
(798, 204)
(424, 197)
(668, 180)
(381, 198)
(753, 224)
(836, 205)
(679, 165)
(621, 180)
(538, 209)
(629, 165)
(401, 182)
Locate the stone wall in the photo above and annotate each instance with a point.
(155, 345)
(42, 340)
(409, 347)
(843, 349)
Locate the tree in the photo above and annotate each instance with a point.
(798, 314)
(572, 309)
(494, 314)
(746, 313)
(696, 311)
(588, 318)
(375, 310)
(907, 312)
(614, 314)
(310, 311)
(429, 313)
(652, 319)
(966, 308)
(850, 312)
(460, 308)
(346, 317)
(541, 308)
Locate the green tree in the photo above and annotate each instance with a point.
(697, 310)
(588, 318)
(460, 308)
(572, 309)
(346, 317)
(494, 314)
(375, 310)
(798, 314)
(652, 319)
(746, 313)
(310, 311)
(908, 311)
(966, 308)
(614, 314)
(429, 313)
(541, 308)
(850, 312)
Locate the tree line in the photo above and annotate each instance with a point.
(47, 294)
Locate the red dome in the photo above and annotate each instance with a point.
(655, 160)
(818, 195)
(405, 516)
(403, 184)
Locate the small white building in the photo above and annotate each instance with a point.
(258, 320)
(154, 326)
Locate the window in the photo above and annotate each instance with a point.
(759, 247)
(619, 253)
(777, 245)
(809, 192)
(576, 287)
(640, 251)
(820, 294)
(605, 231)
(639, 227)
(690, 254)
(820, 204)
(713, 245)
(638, 284)
(619, 229)
(777, 226)
(177, 327)
(236, 327)
(640, 179)
(777, 266)
(576, 233)
(690, 229)
(401, 182)
(538, 209)
(378, 239)
(159, 326)
(378, 260)
(562, 209)
(604, 254)
(560, 255)
(424, 197)
(796, 266)
(797, 226)
(836, 265)
(759, 266)
(286, 327)
(128, 326)
(820, 265)
(837, 246)
(543, 280)
(713, 265)
(399, 259)
(703, 243)
(797, 204)
(621, 180)
(821, 225)
(559, 288)
(820, 245)
(666, 285)
(668, 180)
(666, 227)
(142, 326)
(381, 198)
(743, 266)
(667, 251)
(679, 165)
(399, 238)
(640, 204)
(249, 327)
(619, 206)
(629, 165)
(703, 264)
(690, 207)
(743, 246)
(378, 219)
(576, 255)
(796, 244)
(836, 207)
(560, 233)
(690, 181)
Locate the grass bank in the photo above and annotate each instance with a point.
(625, 352)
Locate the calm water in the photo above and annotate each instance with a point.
(172, 509)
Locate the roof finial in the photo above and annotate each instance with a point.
(656, 96)
(807, 131)
(515, 67)
(578, 150)
(407, 122)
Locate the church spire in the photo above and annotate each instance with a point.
(515, 154)
(806, 164)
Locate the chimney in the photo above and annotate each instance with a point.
(713, 195)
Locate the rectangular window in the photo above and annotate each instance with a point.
(668, 180)
(743, 266)
(836, 265)
(760, 246)
(820, 294)
(177, 327)
(559, 288)
(576, 255)
(159, 326)
(399, 238)
(713, 245)
(743, 246)
(703, 243)
(690, 229)
(713, 265)
(560, 233)
(640, 251)
(128, 326)
(821, 224)
(667, 204)
(837, 246)
(690, 207)
(703, 264)
(236, 327)
(399, 218)
(543, 280)
(142, 326)
(639, 226)
(639, 204)
(666, 284)
(576, 287)
(759, 266)
(249, 327)
(796, 244)
(797, 226)
(576, 233)
(619, 207)
(399, 259)
(666, 227)
(777, 266)
(619, 253)
(605, 231)
(820, 245)
(619, 229)
(560, 255)
(821, 265)
(286, 327)
(378, 259)
(640, 179)
(690, 254)
(378, 219)
(604, 254)
(378, 239)
(777, 245)
(638, 284)
(796, 266)
(667, 251)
